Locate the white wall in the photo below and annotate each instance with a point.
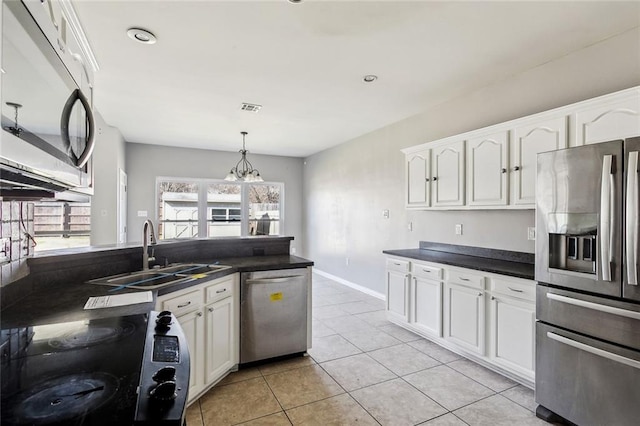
(146, 162)
(348, 186)
(108, 157)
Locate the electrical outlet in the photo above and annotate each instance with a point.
(385, 214)
(346, 261)
(410, 226)
(531, 233)
(458, 229)
(293, 250)
(142, 213)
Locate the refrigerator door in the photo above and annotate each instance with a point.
(579, 218)
(631, 286)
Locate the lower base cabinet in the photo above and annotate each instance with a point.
(464, 309)
(209, 315)
(489, 318)
(512, 333)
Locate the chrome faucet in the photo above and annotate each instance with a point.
(147, 234)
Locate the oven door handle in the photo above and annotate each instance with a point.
(607, 213)
(273, 280)
(596, 351)
(64, 125)
(631, 216)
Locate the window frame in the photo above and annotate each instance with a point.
(203, 185)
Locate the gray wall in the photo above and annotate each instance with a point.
(108, 157)
(146, 162)
(349, 186)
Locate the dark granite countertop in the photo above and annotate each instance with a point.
(514, 264)
(62, 302)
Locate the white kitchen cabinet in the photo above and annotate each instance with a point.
(208, 314)
(192, 324)
(447, 177)
(418, 168)
(512, 325)
(487, 167)
(397, 285)
(219, 339)
(530, 139)
(616, 118)
(465, 322)
(426, 299)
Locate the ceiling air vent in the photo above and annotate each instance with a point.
(250, 107)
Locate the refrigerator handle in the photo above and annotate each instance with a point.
(606, 217)
(631, 216)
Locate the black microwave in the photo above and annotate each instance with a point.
(48, 126)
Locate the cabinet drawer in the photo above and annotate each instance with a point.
(219, 291)
(463, 277)
(522, 289)
(397, 265)
(425, 271)
(183, 304)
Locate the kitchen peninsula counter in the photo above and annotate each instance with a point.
(56, 290)
(510, 263)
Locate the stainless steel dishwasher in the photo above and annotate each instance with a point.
(274, 313)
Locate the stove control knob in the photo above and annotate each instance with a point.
(163, 321)
(165, 374)
(165, 391)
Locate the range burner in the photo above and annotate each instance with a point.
(93, 335)
(61, 400)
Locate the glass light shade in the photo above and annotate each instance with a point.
(231, 177)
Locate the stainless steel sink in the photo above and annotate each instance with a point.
(157, 278)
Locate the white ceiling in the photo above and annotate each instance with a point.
(304, 63)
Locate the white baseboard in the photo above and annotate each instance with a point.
(350, 284)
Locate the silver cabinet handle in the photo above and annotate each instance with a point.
(493, 298)
(77, 95)
(480, 294)
(595, 306)
(427, 271)
(210, 309)
(606, 217)
(596, 351)
(504, 170)
(631, 216)
(464, 279)
(199, 314)
(515, 289)
(435, 178)
(221, 291)
(185, 305)
(516, 168)
(397, 264)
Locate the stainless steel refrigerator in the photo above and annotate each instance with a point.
(588, 296)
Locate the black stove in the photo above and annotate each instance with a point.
(131, 370)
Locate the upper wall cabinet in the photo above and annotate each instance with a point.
(616, 119)
(501, 160)
(418, 170)
(447, 181)
(528, 141)
(487, 163)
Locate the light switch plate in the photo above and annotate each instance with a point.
(531, 233)
(458, 229)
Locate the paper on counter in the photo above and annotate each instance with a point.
(118, 300)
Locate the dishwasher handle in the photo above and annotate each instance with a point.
(272, 280)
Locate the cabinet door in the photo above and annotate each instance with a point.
(397, 295)
(528, 141)
(193, 326)
(465, 317)
(487, 159)
(614, 120)
(418, 176)
(447, 182)
(219, 332)
(512, 327)
(426, 305)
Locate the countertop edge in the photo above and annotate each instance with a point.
(501, 267)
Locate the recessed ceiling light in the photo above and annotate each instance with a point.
(295, 1)
(141, 35)
(369, 78)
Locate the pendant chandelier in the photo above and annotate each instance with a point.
(243, 170)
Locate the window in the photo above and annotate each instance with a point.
(59, 224)
(220, 208)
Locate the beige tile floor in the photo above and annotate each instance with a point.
(364, 370)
